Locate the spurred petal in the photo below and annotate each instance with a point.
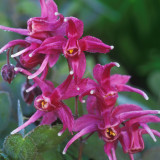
(126, 88)
(74, 28)
(17, 30)
(92, 44)
(40, 70)
(133, 114)
(84, 131)
(13, 43)
(125, 108)
(149, 131)
(32, 119)
(144, 119)
(85, 121)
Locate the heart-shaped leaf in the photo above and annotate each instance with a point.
(46, 137)
(17, 148)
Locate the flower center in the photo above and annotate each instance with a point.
(112, 93)
(70, 51)
(44, 104)
(110, 133)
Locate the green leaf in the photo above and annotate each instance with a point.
(3, 156)
(20, 117)
(5, 110)
(46, 137)
(19, 148)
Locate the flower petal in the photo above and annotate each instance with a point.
(32, 119)
(119, 79)
(92, 44)
(66, 117)
(126, 88)
(61, 89)
(85, 121)
(17, 30)
(49, 118)
(13, 43)
(84, 131)
(74, 28)
(41, 69)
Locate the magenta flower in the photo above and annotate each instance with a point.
(49, 105)
(74, 47)
(107, 88)
(45, 26)
(110, 130)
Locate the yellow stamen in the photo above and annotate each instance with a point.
(110, 132)
(43, 104)
(71, 51)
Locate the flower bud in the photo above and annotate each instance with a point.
(28, 97)
(8, 72)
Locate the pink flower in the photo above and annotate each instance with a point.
(74, 47)
(112, 126)
(45, 26)
(107, 89)
(49, 105)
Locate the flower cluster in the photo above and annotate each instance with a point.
(53, 34)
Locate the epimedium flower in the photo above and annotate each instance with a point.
(112, 126)
(106, 90)
(45, 26)
(74, 47)
(49, 104)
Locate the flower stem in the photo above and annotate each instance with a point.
(80, 149)
(76, 107)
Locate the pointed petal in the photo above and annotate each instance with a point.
(32, 119)
(133, 114)
(84, 131)
(43, 8)
(85, 121)
(126, 88)
(125, 108)
(74, 28)
(107, 148)
(144, 119)
(53, 59)
(51, 9)
(119, 79)
(78, 65)
(92, 44)
(66, 117)
(105, 78)
(149, 131)
(49, 118)
(92, 105)
(61, 89)
(40, 70)
(17, 30)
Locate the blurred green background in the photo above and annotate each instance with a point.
(132, 26)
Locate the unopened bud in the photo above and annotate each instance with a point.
(28, 97)
(8, 72)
